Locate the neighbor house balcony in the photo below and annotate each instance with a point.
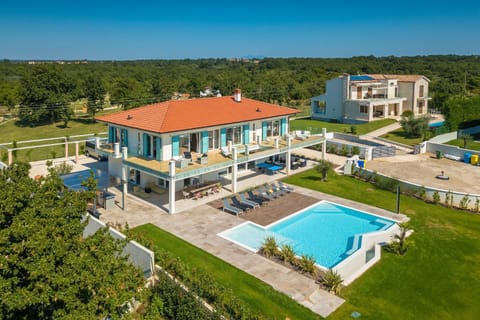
(216, 160)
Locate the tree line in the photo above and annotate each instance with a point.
(42, 92)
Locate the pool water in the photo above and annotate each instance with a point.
(327, 231)
(436, 124)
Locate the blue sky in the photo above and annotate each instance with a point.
(124, 30)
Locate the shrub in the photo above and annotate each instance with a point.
(331, 148)
(448, 199)
(287, 254)
(333, 281)
(355, 150)
(422, 193)
(436, 197)
(464, 202)
(353, 129)
(345, 150)
(306, 264)
(269, 247)
(386, 183)
(477, 204)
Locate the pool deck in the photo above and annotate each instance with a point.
(200, 226)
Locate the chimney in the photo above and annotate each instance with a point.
(237, 95)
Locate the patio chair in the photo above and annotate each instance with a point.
(188, 155)
(243, 197)
(244, 205)
(228, 207)
(259, 197)
(225, 151)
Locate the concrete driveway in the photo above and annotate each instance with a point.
(423, 168)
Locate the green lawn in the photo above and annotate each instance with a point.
(439, 276)
(471, 145)
(315, 126)
(12, 131)
(399, 136)
(259, 296)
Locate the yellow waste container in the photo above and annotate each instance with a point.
(474, 159)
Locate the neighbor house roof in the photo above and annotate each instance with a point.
(179, 115)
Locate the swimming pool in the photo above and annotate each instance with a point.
(327, 231)
(436, 124)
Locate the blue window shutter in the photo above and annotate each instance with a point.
(125, 138)
(246, 133)
(159, 148)
(223, 137)
(111, 133)
(204, 144)
(283, 126)
(175, 146)
(145, 145)
(264, 130)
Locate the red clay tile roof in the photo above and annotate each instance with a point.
(178, 115)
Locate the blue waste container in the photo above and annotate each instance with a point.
(466, 157)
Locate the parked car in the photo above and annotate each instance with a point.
(91, 150)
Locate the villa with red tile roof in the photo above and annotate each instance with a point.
(363, 98)
(171, 144)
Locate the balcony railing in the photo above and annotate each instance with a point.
(216, 161)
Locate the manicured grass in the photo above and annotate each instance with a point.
(12, 131)
(258, 296)
(315, 126)
(399, 136)
(471, 145)
(436, 279)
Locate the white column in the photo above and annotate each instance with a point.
(234, 171)
(10, 156)
(66, 149)
(289, 154)
(124, 180)
(171, 187)
(385, 111)
(324, 144)
(76, 152)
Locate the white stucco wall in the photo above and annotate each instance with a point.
(335, 98)
(406, 90)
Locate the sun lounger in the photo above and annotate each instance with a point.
(269, 191)
(284, 186)
(243, 205)
(245, 200)
(262, 194)
(278, 190)
(255, 197)
(228, 207)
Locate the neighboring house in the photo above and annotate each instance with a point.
(364, 98)
(157, 141)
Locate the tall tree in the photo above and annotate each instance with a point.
(414, 127)
(45, 93)
(48, 270)
(95, 92)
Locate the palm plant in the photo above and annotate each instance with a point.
(307, 264)
(269, 247)
(287, 254)
(333, 281)
(401, 246)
